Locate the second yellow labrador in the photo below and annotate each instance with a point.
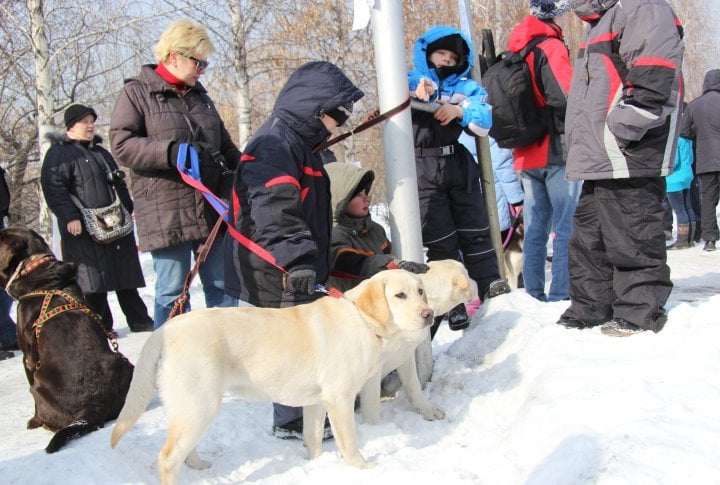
(447, 284)
(316, 355)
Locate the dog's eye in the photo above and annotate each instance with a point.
(401, 295)
(421, 292)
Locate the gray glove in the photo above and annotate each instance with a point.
(301, 281)
(413, 267)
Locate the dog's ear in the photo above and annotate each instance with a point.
(36, 244)
(370, 300)
(16, 244)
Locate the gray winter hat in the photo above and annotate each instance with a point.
(547, 9)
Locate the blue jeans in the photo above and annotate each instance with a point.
(549, 205)
(172, 265)
(682, 205)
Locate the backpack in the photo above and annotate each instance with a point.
(516, 120)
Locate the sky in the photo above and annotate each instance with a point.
(526, 402)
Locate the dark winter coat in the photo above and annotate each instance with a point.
(144, 123)
(281, 197)
(701, 122)
(72, 167)
(360, 247)
(551, 73)
(623, 108)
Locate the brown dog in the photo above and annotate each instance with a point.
(76, 379)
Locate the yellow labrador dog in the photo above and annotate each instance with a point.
(446, 284)
(316, 355)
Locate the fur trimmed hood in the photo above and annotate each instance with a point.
(61, 138)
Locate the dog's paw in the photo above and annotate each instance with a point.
(360, 462)
(431, 412)
(34, 422)
(194, 461)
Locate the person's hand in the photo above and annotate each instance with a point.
(74, 227)
(413, 267)
(448, 112)
(424, 89)
(173, 149)
(301, 281)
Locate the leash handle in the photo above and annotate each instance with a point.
(515, 213)
(371, 120)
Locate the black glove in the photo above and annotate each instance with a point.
(173, 149)
(301, 281)
(413, 267)
(212, 166)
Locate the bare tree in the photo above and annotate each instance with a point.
(702, 48)
(62, 53)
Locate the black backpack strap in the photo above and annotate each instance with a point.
(531, 45)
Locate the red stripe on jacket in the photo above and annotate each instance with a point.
(285, 179)
(655, 61)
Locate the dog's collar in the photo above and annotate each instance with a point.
(28, 265)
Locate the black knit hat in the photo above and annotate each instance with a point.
(453, 43)
(76, 112)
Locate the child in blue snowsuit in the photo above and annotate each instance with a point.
(452, 208)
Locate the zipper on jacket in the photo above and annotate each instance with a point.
(587, 68)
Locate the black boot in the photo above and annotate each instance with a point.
(458, 318)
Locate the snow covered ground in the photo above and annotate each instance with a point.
(526, 401)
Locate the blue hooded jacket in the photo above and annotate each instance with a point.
(455, 88)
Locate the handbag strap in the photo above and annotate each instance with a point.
(113, 191)
(196, 129)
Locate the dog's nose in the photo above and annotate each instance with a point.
(427, 315)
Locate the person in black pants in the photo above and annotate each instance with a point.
(700, 125)
(452, 208)
(76, 164)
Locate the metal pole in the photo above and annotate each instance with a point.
(487, 181)
(399, 149)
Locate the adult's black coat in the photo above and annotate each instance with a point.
(702, 124)
(72, 167)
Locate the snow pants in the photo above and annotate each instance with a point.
(453, 214)
(617, 253)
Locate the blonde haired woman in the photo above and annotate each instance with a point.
(161, 107)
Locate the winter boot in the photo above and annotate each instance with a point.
(458, 318)
(682, 241)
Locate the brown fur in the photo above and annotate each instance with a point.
(78, 383)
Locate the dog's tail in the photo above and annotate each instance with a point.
(142, 387)
(70, 432)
